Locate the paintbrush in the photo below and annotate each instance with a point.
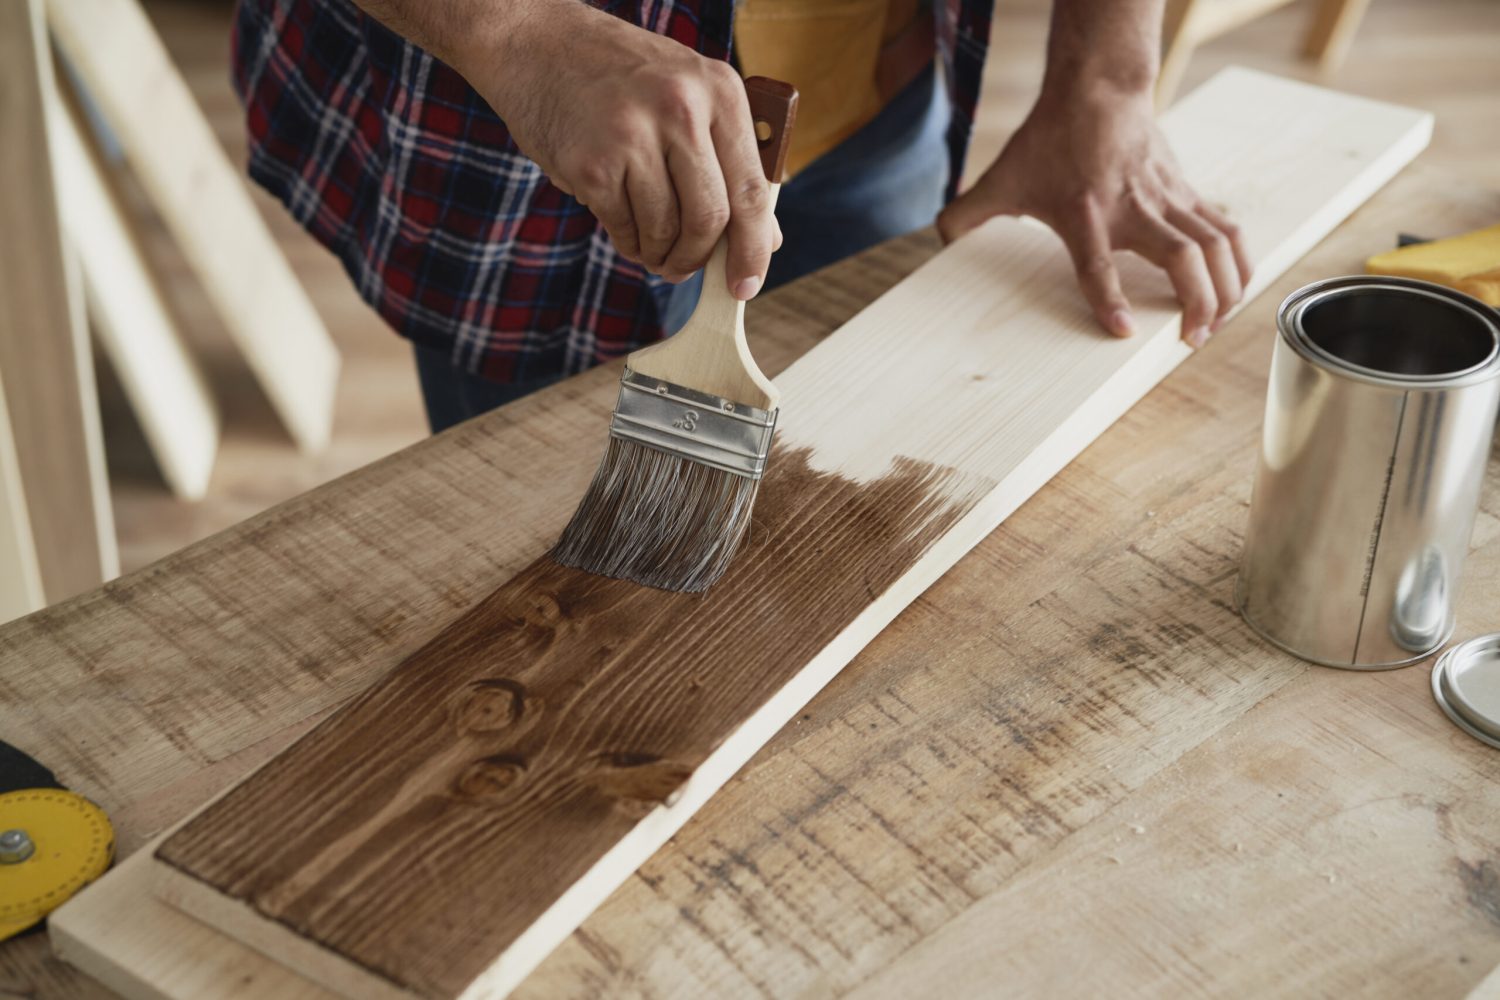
(671, 500)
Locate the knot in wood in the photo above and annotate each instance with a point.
(489, 705)
(489, 776)
(637, 777)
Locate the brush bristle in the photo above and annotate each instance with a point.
(658, 519)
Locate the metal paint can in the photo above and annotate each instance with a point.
(1381, 406)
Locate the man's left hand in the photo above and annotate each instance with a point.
(1098, 171)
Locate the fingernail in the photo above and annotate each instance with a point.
(1121, 323)
(1198, 337)
(746, 289)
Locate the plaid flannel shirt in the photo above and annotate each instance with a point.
(391, 160)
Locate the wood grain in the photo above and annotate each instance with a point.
(1022, 686)
(181, 750)
(1165, 898)
(1011, 389)
(44, 348)
(169, 668)
(537, 731)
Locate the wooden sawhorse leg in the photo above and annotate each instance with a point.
(44, 350)
(1332, 30)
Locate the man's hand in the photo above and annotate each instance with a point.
(655, 139)
(1099, 173)
(1090, 162)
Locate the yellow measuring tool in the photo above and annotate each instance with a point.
(52, 843)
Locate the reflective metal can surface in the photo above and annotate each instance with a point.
(1379, 414)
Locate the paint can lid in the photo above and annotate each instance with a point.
(1466, 684)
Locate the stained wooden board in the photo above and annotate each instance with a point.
(564, 728)
(44, 349)
(186, 717)
(1004, 710)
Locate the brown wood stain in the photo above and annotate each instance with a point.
(420, 830)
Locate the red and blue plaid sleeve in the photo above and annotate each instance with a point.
(390, 159)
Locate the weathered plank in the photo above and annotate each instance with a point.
(565, 727)
(1288, 803)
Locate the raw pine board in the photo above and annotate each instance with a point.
(536, 752)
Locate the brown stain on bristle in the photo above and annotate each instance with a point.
(531, 734)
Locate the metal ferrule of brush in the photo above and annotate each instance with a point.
(699, 426)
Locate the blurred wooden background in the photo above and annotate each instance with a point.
(1435, 54)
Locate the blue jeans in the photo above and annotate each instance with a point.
(884, 181)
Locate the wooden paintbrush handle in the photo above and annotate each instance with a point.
(773, 108)
(709, 353)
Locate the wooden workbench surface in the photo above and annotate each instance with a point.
(1067, 764)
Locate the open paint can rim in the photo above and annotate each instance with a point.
(1438, 337)
(1466, 684)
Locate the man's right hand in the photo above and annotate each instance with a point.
(654, 138)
